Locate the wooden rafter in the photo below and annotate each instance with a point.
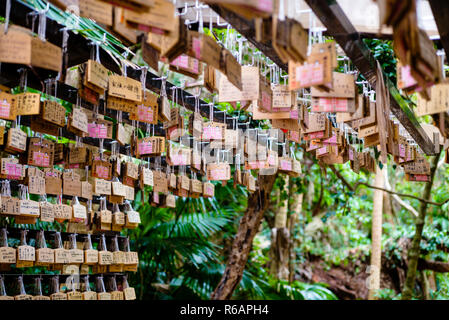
(341, 29)
(247, 29)
(440, 11)
(78, 50)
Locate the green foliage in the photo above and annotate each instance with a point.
(382, 50)
(183, 251)
(86, 27)
(387, 294)
(283, 290)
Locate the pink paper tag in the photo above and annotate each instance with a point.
(310, 74)
(196, 66)
(294, 114)
(181, 61)
(406, 77)
(286, 165)
(402, 151)
(172, 131)
(212, 133)
(331, 105)
(143, 27)
(92, 130)
(145, 148)
(13, 170)
(331, 140)
(317, 73)
(256, 164)
(145, 114)
(409, 158)
(179, 159)
(102, 131)
(351, 154)
(209, 190)
(5, 107)
(271, 160)
(41, 159)
(51, 174)
(196, 47)
(421, 177)
(157, 30)
(266, 101)
(218, 174)
(97, 130)
(314, 135)
(102, 172)
(265, 5)
(321, 151)
(294, 136)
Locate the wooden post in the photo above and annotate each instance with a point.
(376, 234)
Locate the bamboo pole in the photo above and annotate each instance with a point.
(376, 234)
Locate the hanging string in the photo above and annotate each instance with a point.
(65, 39)
(7, 13)
(211, 113)
(6, 188)
(281, 15)
(23, 79)
(143, 80)
(124, 71)
(101, 149)
(163, 86)
(97, 51)
(43, 23)
(197, 104)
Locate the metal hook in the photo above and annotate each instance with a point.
(182, 13)
(188, 22)
(225, 24)
(284, 78)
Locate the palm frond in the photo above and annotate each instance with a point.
(191, 225)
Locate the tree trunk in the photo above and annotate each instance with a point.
(295, 209)
(376, 234)
(280, 235)
(241, 246)
(432, 281)
(272, 208)
(310, 193)
(388, 208)
(424, 285)
(414, 251)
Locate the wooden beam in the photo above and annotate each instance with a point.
(436, 266)
(440, 11)
(341, 29)
(248, 30)
(78, 50)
